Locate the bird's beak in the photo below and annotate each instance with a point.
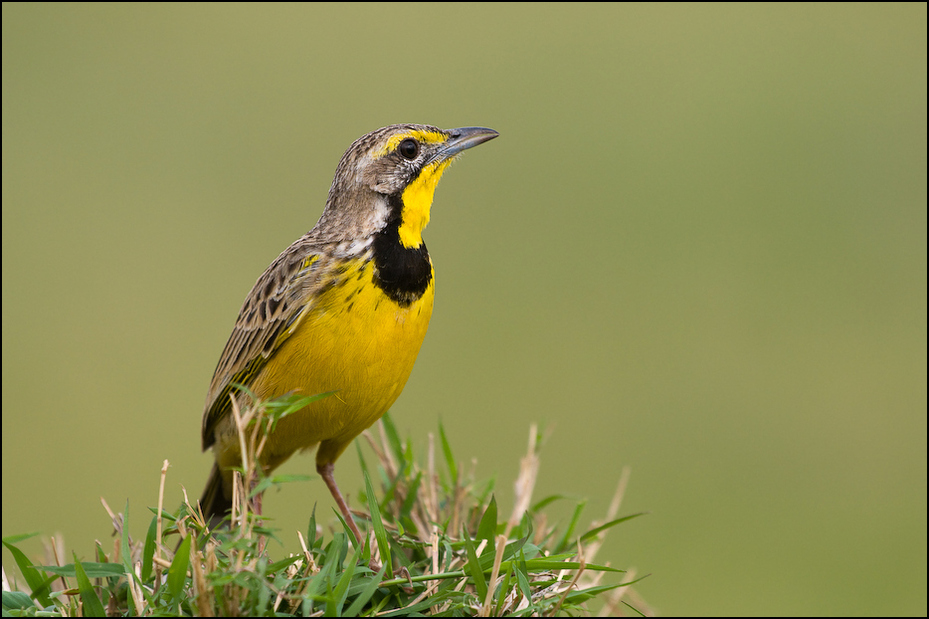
(464, 138)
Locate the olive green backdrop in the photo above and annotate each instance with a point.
(697, 248)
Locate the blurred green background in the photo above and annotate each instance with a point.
(698, 248)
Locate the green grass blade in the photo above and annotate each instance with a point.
(148, 551)
(412, 496)
(449, 458)
(603, 527)
(331, 610)
(18, 601)
(582, 595)
(263, 597)
(332, 556)
(415, 610)
(281, 407)
(474, 567)
(37, 579)
(15, 539)
(393, 438)
(566, 538)
(345, 527)
(504, 589)
(361, 458)
(522, 576)
(546, 502)
(283, 564)
(311, 530)
(487, 529)
(92, 605)
(177, 573)
(91, 568)
(366, 594)
(341, 590)
(380, 534)
(124, 538)
(633, 608)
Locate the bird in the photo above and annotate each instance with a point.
(342, 311)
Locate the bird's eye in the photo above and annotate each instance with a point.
(409, 148)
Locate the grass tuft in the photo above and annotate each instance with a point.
(435, 536)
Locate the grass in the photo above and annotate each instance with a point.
(435, 539)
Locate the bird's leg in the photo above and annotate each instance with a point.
(327, 472)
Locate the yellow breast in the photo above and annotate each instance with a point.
(356, 342)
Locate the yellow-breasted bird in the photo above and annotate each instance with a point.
(344, 309)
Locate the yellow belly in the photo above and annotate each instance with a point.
(355, 342)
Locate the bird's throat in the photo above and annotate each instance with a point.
(417, 201)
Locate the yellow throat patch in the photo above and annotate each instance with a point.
(417, 200)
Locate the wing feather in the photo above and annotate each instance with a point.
(270, 314)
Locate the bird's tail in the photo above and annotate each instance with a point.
(214, 503)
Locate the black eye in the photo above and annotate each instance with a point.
(409, 148)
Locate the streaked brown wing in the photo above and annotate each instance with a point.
(278, 300)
